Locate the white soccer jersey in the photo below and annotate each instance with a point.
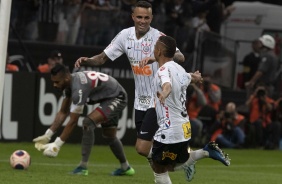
(173, 120)
(136, 50)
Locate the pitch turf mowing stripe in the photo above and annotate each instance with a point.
(138, 165)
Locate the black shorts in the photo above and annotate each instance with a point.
(170, 154)
(112, 109)
(146, 124)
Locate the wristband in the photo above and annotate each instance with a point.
(59, 142)
(49, 133)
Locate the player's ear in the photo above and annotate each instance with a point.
(68, 78)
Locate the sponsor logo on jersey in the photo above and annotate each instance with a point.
(167, 121)
(141, 132)
(146, 49)
(82, 77)
(167, 154)
(133, 62)
(146, 70)
(144, 100)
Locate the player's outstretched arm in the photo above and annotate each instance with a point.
(146, 61)
(52, 149)
(166, 89)
(92, 61)
(59, 120)
(196, 77)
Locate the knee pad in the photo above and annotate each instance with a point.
(88, 123)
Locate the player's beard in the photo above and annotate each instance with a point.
(142, 31)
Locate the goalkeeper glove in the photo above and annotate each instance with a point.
(52, 149)
(43, 139)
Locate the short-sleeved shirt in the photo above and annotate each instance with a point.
(173, 120)
(136, 50)
(268, 66)
(92, 87)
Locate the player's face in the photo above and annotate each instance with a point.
(59, 81)
(142, 18)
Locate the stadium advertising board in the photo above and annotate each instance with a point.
(31, 103)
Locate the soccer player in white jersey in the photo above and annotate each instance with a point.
(137, 43)
(80, 88)
(171, 141)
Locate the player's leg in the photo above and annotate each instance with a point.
(88, 126)
(162, 178)
(147, 121)
(112, 109)
(109, 133)
(163, 157)
(99, 115)
(211, 150)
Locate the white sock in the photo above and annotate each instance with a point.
(124, 165)
(193, 158)
(197, 155)
(162, 178)
(83, 164)
(149, 157)
(150, 154)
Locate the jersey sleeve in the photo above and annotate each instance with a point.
(189, 77)
(78, 109)
(116, 48)
(164, 75)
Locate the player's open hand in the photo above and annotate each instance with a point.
(39, 146)
(43, 139)
(80, 61)
(145, 61)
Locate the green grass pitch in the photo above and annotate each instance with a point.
(247, 167)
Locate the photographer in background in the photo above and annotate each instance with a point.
(212, 92)
(261, 130)
(195, 101)
(277, 119)
(209, 112)
(231, 132)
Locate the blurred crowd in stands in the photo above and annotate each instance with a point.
(96, 22)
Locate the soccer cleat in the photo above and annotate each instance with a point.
(80, 171)
(189, 171)
(120, 172)
(216, 153)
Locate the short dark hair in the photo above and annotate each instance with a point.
(170, 45)
(142, 4)
(59, 68)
